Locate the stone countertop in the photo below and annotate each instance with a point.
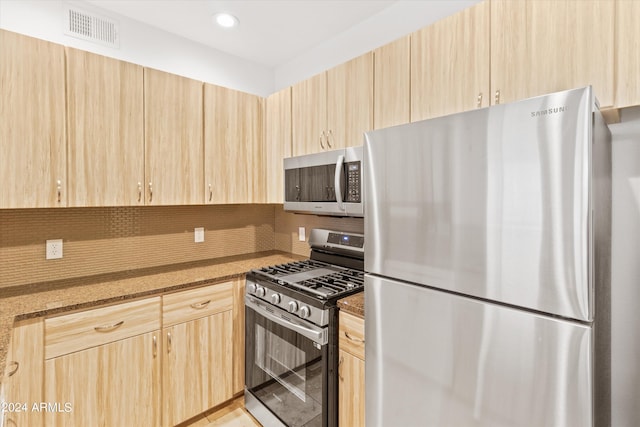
(353, 304)
(49, 298)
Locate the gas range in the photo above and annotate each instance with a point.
(291, 331)
(334, 271)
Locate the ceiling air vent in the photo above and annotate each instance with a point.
(91, 27)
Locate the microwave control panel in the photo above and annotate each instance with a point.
(354, 186)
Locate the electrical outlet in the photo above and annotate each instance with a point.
(54, 249)
(198, 234)
(301, 234)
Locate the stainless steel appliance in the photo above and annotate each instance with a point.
(488, 267)
(291, 336)
(326, 183)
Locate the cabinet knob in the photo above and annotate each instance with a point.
(480, 100)
(155, 346)
(139, 192)
(150, 192)
(329, 137)
(322, 135)
(59, 190)
(497, 99)
(210, 193)
(168, 342)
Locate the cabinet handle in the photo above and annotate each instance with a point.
(150, 192)
(329, 136)
(321, 136)
(139, 192)
(340, 362)
(109, 328)
(210, 193)
(480, 100)
(200, 305)
(155, 346)
(14, 369)
(497, 99)
(168, 342)
(59, 190)
(349, 337)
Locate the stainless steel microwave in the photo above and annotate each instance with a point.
(325, 183)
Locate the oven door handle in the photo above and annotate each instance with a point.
(269, 312)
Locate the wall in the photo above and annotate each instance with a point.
(286, 229)
(104, 240)
(140, 44)
(625, 266)
(393, 22)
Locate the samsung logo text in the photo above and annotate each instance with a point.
(549, 111)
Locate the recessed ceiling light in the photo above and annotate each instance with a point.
(225, 20)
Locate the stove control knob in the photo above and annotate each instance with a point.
(275, 298)
(293, 306)
(305, 312)
(251, 288)
(260, 291)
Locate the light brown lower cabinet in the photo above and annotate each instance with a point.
(197, 347)
(351, 386)
(22, 381)
(116, 384)
(198, 364)
(114, 379)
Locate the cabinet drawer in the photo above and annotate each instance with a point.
(196, 303)
(351, 334)
(78, 331)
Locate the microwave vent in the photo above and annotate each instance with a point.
(91, 27)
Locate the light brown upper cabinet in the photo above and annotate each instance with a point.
(350, 102)
(450, 64)
(332, 110)
(627, 57)
(392, 84)
(32, 123)
(173, 139)
(105, 105)
(277, 143)
(233, 137)
(544, 46)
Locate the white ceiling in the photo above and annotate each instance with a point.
(271, 32)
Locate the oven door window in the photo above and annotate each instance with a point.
(285, 371)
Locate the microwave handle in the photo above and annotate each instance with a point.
(337, 179)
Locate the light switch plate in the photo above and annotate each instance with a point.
(301, 234)
(198, 234)
(54, 249)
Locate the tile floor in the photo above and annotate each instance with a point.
(232, 415)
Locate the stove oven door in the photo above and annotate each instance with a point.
(286, 367)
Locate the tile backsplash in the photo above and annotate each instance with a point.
(105, 240)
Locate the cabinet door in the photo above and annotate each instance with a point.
(277, 143)
(238, 335)
(391, 84)
(450, 64)
(234, 162)
(351, 390)
(544, 46)
(117, 384)
(350, 102)
(32, 123)
(105, 126)
(309, 116)
(173, 139)
(24, 375)
(197, 372)
(627, 42)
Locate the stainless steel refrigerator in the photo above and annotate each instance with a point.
(487, 298)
